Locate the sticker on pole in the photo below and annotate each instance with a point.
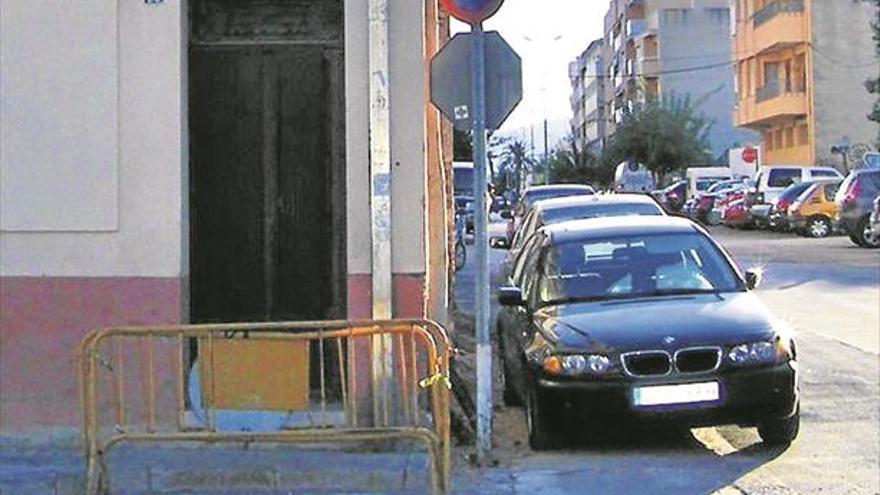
(451, 80)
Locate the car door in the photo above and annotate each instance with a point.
(521, 327)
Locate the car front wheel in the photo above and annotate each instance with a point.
(867, 237)
(819, 227)
(780, 432)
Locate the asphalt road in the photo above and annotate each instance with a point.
(828, 290)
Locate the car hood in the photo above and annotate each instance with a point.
(649, 323)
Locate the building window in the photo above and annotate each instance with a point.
(803, 134)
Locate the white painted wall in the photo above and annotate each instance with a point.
(407, 86)
(147, 143)
(58, 139)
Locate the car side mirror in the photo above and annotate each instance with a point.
(500, 242)
(510, 296)
(753, 278)
(506, 214)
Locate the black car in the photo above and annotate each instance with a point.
(854, 199)
(539, 193)
(557, 210)
(642, 319)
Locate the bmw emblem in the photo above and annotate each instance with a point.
(669, 340)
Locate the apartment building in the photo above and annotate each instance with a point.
(801, 71)
(588, 98)
(666, 48)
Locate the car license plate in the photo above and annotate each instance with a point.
(662, 395)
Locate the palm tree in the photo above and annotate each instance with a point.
(515, 158)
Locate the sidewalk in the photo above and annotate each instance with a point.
(224, 470)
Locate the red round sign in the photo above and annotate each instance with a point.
(750, 155)
(472, 11)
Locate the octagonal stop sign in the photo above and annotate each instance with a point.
(750, 154)
(451, 80)
(472, 11)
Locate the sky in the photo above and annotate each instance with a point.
(545, 61)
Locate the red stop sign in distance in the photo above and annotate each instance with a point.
(750, 155)
(472, 11)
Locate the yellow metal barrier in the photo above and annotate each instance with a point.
(134, 385)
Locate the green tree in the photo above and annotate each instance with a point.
(570, 165)
(462, 147)
(873, 85)
(663, 134)
(513, 163)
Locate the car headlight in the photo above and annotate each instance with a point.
(759, 353)
(577, 364)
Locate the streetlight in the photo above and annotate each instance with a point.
(543, 100)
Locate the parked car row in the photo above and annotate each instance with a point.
(616, 313)
(810, 201)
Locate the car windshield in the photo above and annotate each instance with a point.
(463, 180)
(541, 194)
(718, 186)
(557, 215)
(634, 266)
(793, 191)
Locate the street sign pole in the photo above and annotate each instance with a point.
(481, 243)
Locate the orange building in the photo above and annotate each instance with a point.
(801, 67)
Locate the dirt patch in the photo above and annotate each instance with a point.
(509, 436)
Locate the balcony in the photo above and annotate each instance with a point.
(771, 104)
(773, 9)
(648, 67)
(780, 24)
(636, 27)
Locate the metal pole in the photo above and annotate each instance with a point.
(481, 244)
(380, 193)
(546, 156)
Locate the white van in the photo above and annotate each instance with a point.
(633, 177)
(772, 180)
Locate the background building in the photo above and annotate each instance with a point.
(801, 72)
(198, 161)
(588, 98)
(677, 48)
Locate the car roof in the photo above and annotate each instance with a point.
(597, 228)
(558, 187)
(810, 167)
(569, 201)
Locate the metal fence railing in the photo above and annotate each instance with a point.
(330, 381)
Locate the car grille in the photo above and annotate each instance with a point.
(698, 360)
(647, 363)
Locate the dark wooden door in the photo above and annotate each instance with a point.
(266, 183)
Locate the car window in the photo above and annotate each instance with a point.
(793, 191)
(519, 263)
(873, 182)
(806, 193)
(830, 190)
(520, 236)
(783, 177)
(598, 210)
(633, 266)
(528, 276)
(824, 173)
